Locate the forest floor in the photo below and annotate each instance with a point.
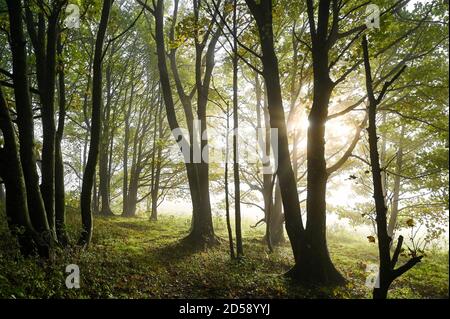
(136, 258)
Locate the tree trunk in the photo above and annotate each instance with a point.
(157, 162)
(202, 232)
(89, 173)
(237, 183)
(2, 193)
(44, 35)
(26, 125)
(60, 205)
(387, 271)
(397, 185)
(227, 192)
(126, 146)
(132, 198)
(313, 263)
(262, 13)
(12, 175)
(316, 264)
(105, 137)
(277, 219)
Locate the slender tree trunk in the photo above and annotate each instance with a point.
(227, 191)
(89, 173)
(158, 164)
(60, 205)
(2, 193)
(397, 185)
(95, 196)
(237, 183)
(387, 271)
(126, 146)
(104, 148)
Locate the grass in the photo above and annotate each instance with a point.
(135, 258)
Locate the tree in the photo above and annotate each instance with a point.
(262, 13)
(202, 232)
(237, 186)
(44, 39)
(387, 271)
(25, 126)
(89, 172)
(12, 175)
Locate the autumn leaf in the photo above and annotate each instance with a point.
(410, 222)
(371, 239)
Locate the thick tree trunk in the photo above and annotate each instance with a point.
(44, 37)
(12, 175)
(47, 91)
(277, 219)
(313, 263)
(132, 198)
(89, 173)
(316, 264)
(26, 125)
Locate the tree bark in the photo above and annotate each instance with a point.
(397, 185)
(60, 205)
(26, 125)
(262, 13)
(237, 183)
(103, 160)
(89, 173)
(11, 173)
(202, 231)
(44, 41)
(227, 192)
(313, 263)
(387, 273)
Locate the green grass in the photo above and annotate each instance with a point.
(135, 258)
